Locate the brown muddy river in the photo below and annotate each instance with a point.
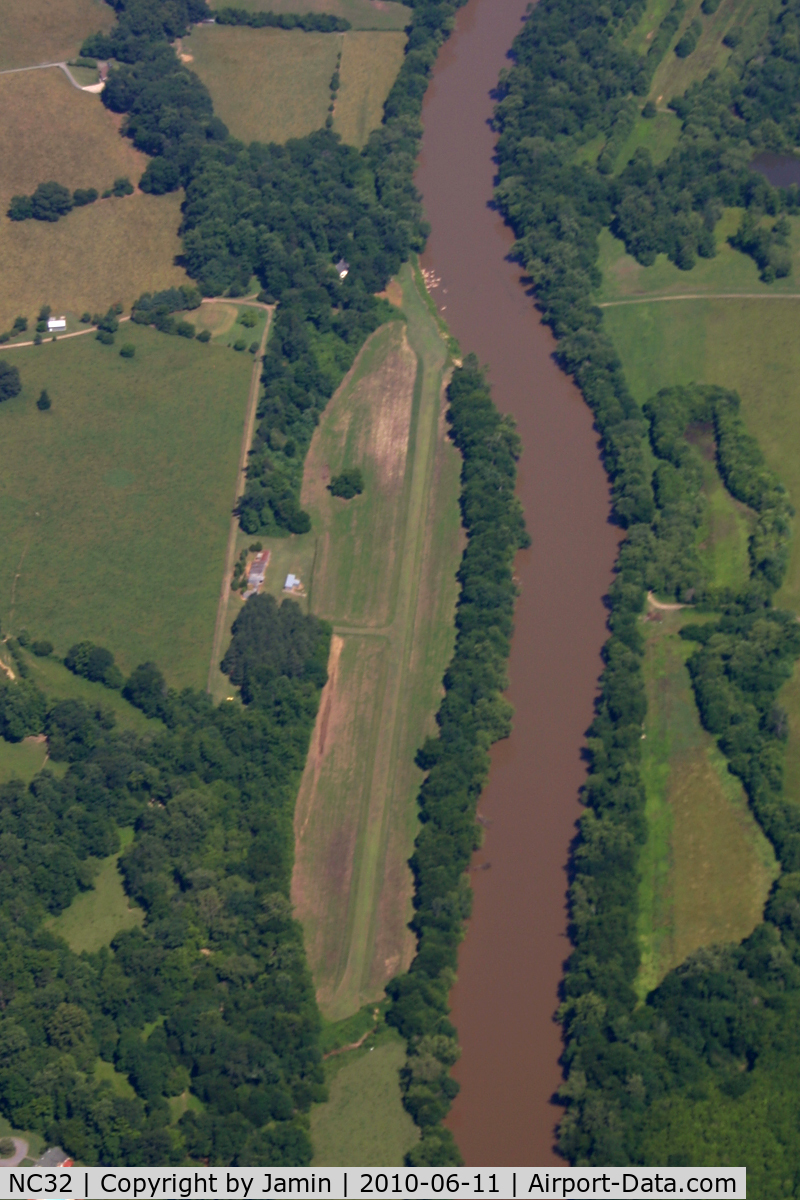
(511, 961)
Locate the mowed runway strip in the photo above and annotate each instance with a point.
(384, 574)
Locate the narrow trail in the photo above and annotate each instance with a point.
(663, 607)
(701, 296)
(241, 478)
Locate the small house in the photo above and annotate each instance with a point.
(54, 324)
(343, 268)
(292, 582)
(255, 576)
(54, 1157)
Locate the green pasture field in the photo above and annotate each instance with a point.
(706, 868)
(116, 503)
(659, 135)
(364, 1122)
(370, 63)
(40, 31)
(268, 85)
(95, 917)
(362, 14)
(382, 568)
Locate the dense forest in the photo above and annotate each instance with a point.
(705, 1070)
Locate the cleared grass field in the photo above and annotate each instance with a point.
(362, 14)
(268, 85)
(108, 251)
(95, 917)
(364, 1124)
(706, 868)
(41, 31)
(115, 504)
(370, 63)
(382, 568)
(54, 131)
(58, 683)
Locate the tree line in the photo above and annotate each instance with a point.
(706, 1069)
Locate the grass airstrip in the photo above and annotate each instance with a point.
(383, 571)
(116, 503)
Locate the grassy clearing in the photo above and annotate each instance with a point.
(364, 1124)
(362, 14)
(381, 568)
(53, 131)
(115, 504)
(370, 62)
(58, 683)
(104, 1072)
(641, 36)
(95, 917)
(729, 271)
(268, 85)
(21, 760)
(658, 135)
(706, 868)
(673, 75)
(41, 31)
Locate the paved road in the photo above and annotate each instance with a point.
(45, 66)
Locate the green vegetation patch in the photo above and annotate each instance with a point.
(116, 502)
(268, 85)
(39, 31)
(362, 14)
(675, 73)
(384, 568)
(370, 62)
(94, 917)
(706, 868)
(364, 1122)
(22, 760)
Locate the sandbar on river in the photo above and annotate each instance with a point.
(510, 963)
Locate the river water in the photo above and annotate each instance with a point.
(511, 961)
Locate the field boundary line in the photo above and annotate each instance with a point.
(701, 296)
(241, 479)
